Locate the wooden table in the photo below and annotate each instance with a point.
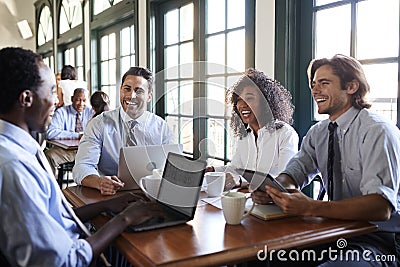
(208, 241)
(67, 144)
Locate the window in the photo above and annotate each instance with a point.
(45, 27)
(101, 5)
(113, 44)
(117, 55)
(369, 31)
(202, 52)
(70, 15)
(74, 56)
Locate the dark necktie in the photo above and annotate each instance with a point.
(78, 123)
(131, 140)
(331, 157)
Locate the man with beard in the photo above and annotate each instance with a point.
(96, 163)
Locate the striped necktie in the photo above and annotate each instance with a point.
(131, 139)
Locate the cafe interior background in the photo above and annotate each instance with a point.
(198, 48)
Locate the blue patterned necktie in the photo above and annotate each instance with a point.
(131, 140)
(78, 123)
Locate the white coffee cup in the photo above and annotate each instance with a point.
(215, 182)
(233, 207)
(150, 184)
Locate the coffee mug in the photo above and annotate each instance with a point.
(150, 184)
(233, 207)
(215, 183)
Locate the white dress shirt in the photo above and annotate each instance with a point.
(98, 151)
(269, 154)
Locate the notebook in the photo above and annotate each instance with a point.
(136, 162)
(267, 212)
(179, 192)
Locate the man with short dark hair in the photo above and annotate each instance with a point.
(37, 225)
(362, 174)
(96, 163)
(68, 122)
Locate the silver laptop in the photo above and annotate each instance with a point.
(178, 194)
(136, 162)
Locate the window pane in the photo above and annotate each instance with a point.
(216, 137)
(172, 27)
(383, 81)
(105, 77)
(186, 98)
(236, 14)
(187, 134)
(323, 2)
(125, 64)
(333, 38)
(215, 16)
(173, 126)
(125, 44)
(112, 70)
(45, 32)
(104, 48)
(172, 97)
(171, 62)
(79, 55)
(215, 96)
(112, 51)
(186, 22)
(236, 49)
(375, 37)
(186, 60)
(100, 5)
(216, 54)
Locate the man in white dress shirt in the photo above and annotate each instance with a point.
(96, 163)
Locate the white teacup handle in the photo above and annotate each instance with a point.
(142, 184)
(250, 210)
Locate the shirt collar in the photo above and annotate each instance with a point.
(126, 119)
(346, 119)
(19, 136)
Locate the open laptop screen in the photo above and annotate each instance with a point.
(181, 184)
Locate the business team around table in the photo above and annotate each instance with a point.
(365, 184)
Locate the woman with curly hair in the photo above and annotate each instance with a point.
(261, 121)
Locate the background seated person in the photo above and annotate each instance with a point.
(363, 180)
(96, 163)
(100, 102)
(261, 118)
(66, 86)
(68, 122)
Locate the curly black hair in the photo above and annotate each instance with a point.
(19, 71)
(277, 97)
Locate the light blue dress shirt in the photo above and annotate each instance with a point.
(35, 227)
(62, 124)
(98, 151)
(370, 159)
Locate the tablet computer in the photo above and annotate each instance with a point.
(258, 180)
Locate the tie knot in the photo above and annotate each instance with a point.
(332, 126)
(133, 124)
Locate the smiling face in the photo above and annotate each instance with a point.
(79, 101)
(248, 106)
(326, 90)
(44, 101)
(134, 95)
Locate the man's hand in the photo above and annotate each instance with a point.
(294, 202)
(108, 185)
(261, 197)
(119, 203)
(139, 212)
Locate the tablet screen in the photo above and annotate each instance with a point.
(258, 180)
